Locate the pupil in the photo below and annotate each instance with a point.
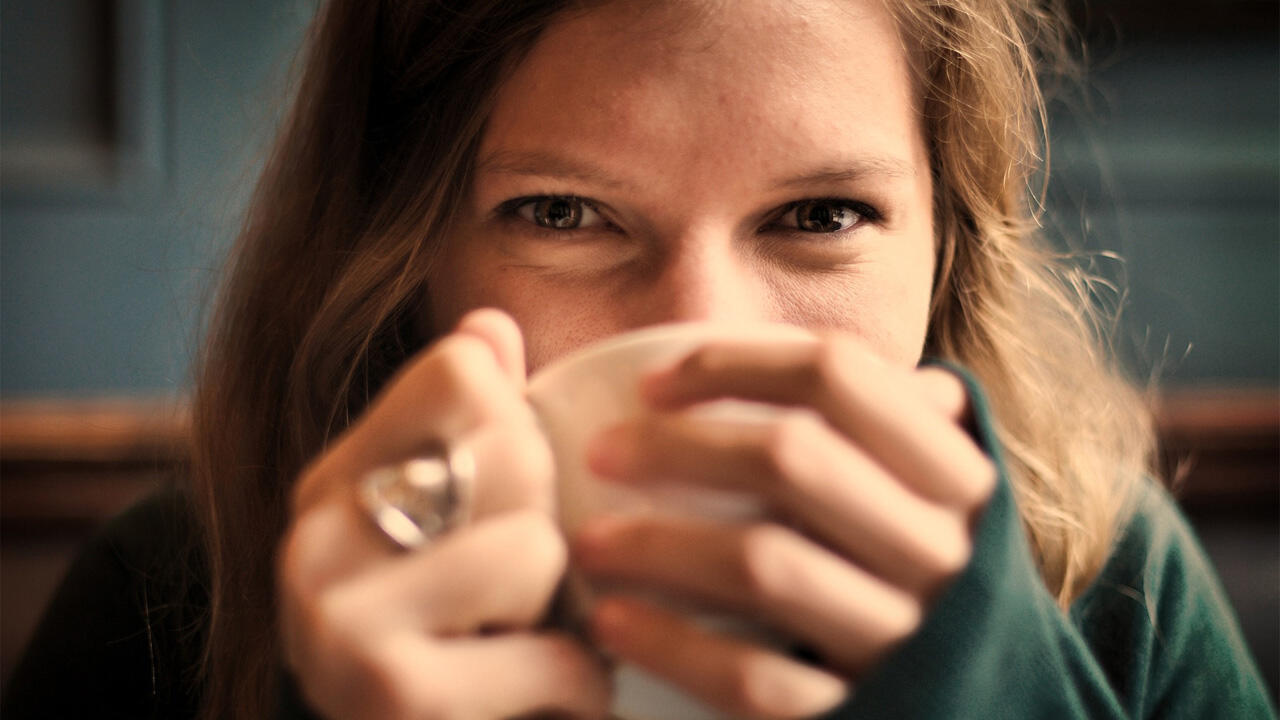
(821, 218)
(558, 213)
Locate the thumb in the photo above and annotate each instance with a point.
(500, 332)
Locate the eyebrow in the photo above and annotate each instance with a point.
(860, 169)
(544, 164)
(550, 165)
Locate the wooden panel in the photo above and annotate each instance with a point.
(79, 462)
(92, 431)
(1221, 448)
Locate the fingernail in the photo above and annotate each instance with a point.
(610, 453)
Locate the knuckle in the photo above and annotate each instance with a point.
(941, 386)
(988, 475)
(761, 685)
(846, 367)
(706, 360)
(902, 618)
(749, 685)
(533, 466)
(977, 484)
(298, 569)
(395, 678)
(330, 612)
(832, 364)
(787, 446)
(346, 666)
(765, 560)
(458, 365)
(951, 550)
(347, 616)
(515, 470)
(398, 691)
(541, 544)
(305, 558)
(323, 650)
(462, 371)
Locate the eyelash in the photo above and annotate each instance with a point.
(510, 210)
(865, 213)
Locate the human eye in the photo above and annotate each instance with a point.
(554, 212)
(824, 215)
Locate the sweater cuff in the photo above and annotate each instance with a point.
(932, 673)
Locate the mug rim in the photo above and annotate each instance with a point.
(709, 331)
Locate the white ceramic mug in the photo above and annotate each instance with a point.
(594, 388)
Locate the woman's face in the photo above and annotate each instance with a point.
(763, 161)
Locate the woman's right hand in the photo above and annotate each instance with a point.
(448, 631)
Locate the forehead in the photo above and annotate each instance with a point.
(747, 82)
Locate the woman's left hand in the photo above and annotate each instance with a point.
(874, 486)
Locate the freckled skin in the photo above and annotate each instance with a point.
(639, 168)
(688, 122)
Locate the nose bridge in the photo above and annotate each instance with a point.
(703, 276)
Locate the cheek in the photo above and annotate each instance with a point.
(553, 319)
(883, 299)
(888, 313)
(908, 301)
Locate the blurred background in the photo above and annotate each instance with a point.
(131, 131)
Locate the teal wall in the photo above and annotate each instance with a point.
(115, 212)
(118, 202)
(1173, 161)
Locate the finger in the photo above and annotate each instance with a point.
(333, 536)
(540, 674)
(942, 390)
(455, 387)
(323, 547)
(440, 396)
(502, 334)
(732, 675)
(765, 571)
(868, 401)
(812, 476)
(721, 368)
(514, 468)
(407, 676)
(499, 574)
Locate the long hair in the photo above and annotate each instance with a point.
(322, 297)
(318, 303)
(1022, 317)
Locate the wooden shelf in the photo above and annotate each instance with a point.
(80, 462)
(72, 464)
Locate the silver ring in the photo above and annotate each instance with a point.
(422, 498)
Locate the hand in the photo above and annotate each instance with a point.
(446, 631)
(876, 485)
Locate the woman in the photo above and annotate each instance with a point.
(857, 168)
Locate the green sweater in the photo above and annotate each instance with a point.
(1153, 637)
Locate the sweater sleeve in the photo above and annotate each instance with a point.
(1153, 637)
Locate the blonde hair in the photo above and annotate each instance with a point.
(372, 162)
(1078, 436)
